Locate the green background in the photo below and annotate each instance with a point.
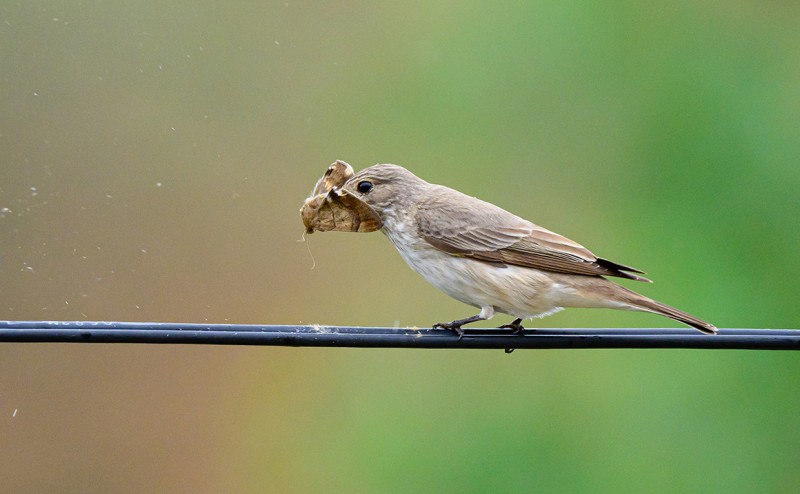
(153, 158)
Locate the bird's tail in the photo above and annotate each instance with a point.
(596, 291)
(649, 305)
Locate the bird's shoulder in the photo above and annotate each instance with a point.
(446, 211)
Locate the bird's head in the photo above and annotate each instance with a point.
(386, 189)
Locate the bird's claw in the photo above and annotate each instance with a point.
(450, 326)
(515, 326)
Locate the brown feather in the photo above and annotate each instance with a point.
(473, 228)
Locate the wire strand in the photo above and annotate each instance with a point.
(379, 337)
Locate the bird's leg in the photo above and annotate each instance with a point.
(456, 325)
(486, 313)
(516, 325)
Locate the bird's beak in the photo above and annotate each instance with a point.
(331, 208)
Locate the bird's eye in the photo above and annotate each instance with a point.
(364, 186)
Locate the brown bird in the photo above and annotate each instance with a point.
(489, 258)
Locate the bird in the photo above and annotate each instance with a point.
(491, 259)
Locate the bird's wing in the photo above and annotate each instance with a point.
(469, 227)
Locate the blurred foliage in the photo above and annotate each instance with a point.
(154, 156)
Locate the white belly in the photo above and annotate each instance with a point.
(520, 292)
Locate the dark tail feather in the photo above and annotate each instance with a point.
(621, 270)
(650, 305)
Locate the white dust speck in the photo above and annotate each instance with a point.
(159, 184)
(109, 196)
(321, 329)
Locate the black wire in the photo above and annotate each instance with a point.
(346, 336)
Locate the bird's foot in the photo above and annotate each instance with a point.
(451, 326)
(456, 325)
(516, 325)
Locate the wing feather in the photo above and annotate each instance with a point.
(468, 227)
